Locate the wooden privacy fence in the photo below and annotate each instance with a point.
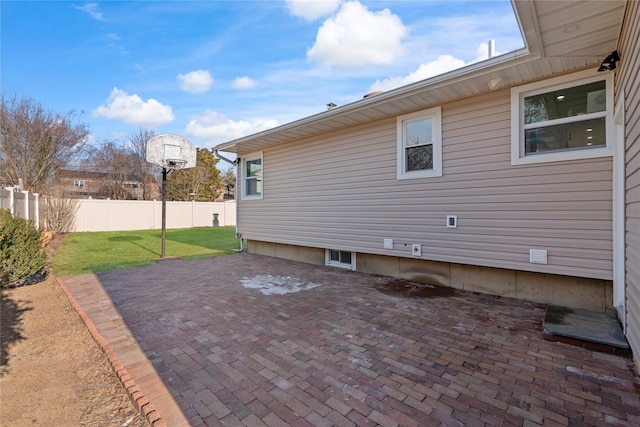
(121, 215)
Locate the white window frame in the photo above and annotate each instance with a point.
(79, 183)
(248, 158)
(518, 94)
(329, 261)
(435, 114)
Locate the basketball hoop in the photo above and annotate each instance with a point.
(169, 152)
(175, 163)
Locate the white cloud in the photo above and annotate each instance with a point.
(91, 9)
(310, 10)
(198, 81)
(443, 64)
(356, 37)
(243, 83)
(217, 126)
(133, 110)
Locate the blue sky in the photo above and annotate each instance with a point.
(212, 71)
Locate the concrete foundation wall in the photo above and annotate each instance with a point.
(568, 291)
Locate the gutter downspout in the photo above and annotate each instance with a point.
(234, 163)
(220, 156)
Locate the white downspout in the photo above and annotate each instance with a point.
(234, 163)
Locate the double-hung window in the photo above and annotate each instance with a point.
(252, 176)
(78, 183)
(420, 144)
(564, 118)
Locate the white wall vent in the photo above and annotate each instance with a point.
(538, 256)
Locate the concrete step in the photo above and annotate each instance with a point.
(589, 329)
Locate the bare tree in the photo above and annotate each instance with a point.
(115, 165)
(36, 143)
(229, 181)
(145, 171)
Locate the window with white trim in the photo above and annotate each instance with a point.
(78, 183)
(565, 118)
(338, 258)
(252, 176)
(420, 144)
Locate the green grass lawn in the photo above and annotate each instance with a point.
(83, 253)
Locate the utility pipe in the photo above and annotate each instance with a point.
(234, 163)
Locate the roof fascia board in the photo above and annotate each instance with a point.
(527, 18)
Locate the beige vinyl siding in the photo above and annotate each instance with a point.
(340, 191)
(627, 81)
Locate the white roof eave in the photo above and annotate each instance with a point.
(473, 70)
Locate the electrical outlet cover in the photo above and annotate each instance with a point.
(416, 250)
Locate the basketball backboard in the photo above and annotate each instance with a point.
(171, 152)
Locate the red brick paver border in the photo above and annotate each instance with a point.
(138, 399)
(355, 350)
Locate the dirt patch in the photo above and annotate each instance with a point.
(409, 289)
(52, 373)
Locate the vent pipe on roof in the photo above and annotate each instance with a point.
(370, 94)
(492, 48)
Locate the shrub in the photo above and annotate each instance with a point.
(59, 213)
(21, 255)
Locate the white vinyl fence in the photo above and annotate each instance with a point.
(22, 204)
(120, 215)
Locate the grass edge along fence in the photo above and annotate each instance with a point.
(94, 252)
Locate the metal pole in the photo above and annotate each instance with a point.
(164, 208)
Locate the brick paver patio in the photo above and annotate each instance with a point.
(207, 347)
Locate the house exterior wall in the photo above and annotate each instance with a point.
(628, 76)
(341, 191)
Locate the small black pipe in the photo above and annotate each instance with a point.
(164, 209)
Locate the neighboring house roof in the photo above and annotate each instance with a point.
(89, 175)
(559, 37)
(79, 174)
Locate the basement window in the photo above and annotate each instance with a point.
(342, 259)
(564, 118)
